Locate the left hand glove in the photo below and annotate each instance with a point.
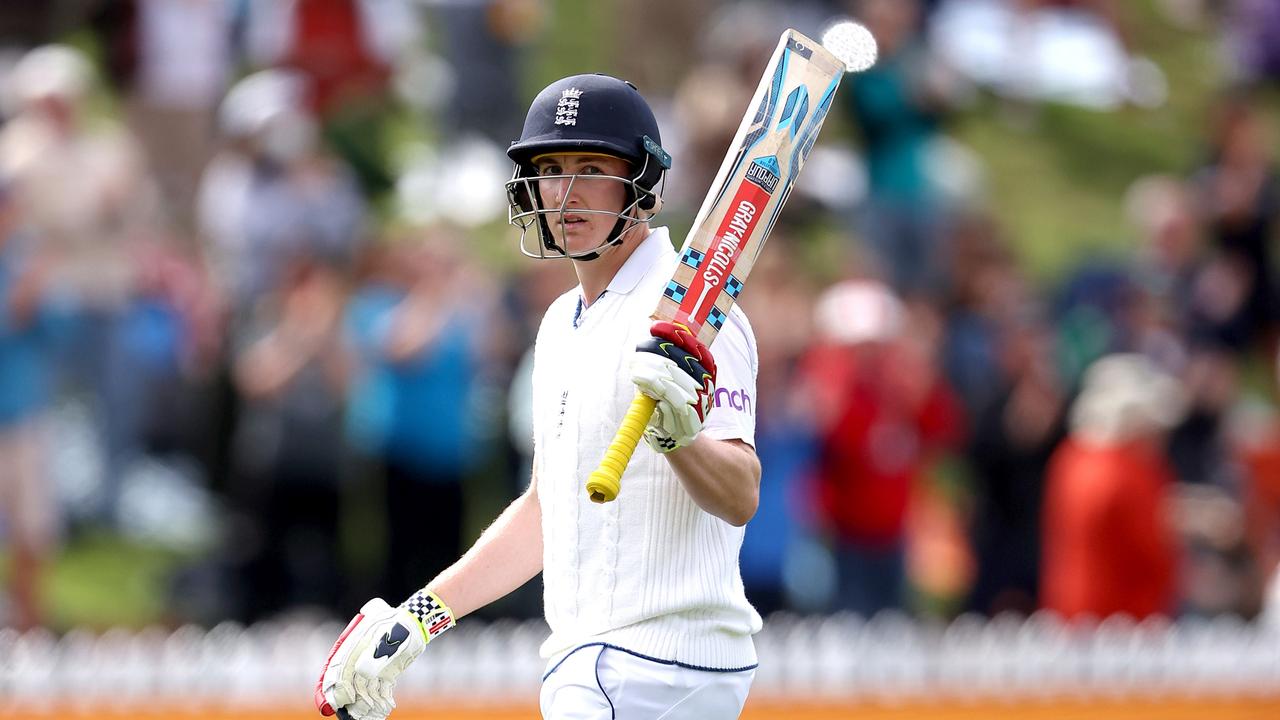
(379, 643)
(675, 369)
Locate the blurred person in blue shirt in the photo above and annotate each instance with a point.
(29, 324)
(418, 333)
(897, 105)
(83, 186)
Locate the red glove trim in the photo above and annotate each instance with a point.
(321, 703)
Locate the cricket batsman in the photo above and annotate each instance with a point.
(643, 596)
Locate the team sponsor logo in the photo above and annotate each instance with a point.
(567, 108)
(737, 399)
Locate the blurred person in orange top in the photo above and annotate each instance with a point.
(1109, 545)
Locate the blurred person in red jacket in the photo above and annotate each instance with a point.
(1109, 546)
(882, 413)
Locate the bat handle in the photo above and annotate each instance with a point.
(606, 481)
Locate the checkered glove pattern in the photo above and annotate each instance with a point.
(358, 679)
(678, 371)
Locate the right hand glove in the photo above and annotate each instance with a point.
(379, 643)
(678, 371)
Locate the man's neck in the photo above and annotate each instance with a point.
(595, 275)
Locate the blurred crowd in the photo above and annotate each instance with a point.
(258, 302)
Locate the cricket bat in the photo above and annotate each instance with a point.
(744, 201)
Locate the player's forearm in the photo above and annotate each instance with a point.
(722, 477)
(507, 555)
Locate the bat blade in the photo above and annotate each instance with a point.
(752, 185)
(735, 219)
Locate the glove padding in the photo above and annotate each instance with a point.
(359, 678)
(678, 371)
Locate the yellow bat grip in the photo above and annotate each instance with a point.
(606, 481)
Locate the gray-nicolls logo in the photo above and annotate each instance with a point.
(567, 108)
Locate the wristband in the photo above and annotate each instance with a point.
(434, 617)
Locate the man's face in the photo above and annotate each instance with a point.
(591, 189)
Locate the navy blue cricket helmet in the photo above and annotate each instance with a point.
(587, 113)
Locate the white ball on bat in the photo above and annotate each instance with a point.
(852, 43)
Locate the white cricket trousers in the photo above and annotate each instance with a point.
(601, 682)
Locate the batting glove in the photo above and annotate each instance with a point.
(675, 369)
(359, 677)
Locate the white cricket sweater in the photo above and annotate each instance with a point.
(650, 572)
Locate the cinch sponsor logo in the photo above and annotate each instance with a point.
(736, 399)
(761, 176)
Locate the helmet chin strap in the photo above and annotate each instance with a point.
(619, 229)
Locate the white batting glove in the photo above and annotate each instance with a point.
(675, 369)
(359, 677)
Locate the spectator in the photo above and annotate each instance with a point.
(346, 51)
(882, 414)
(1187, 291)
(1262, 508)
(483, 44)
(1172, 260)
(28, 326)
(985, 292)
(897, 105)
(1108, 543)
(1253, 432)
(1013, 439)
(86, 193)
(164, 346)
(779, 305)
(292, 371)
(172, 61)
(1240, 192)
(420, 332)
(274, 193)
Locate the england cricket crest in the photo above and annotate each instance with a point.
(567, 107)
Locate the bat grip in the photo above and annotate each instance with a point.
(606, 481)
